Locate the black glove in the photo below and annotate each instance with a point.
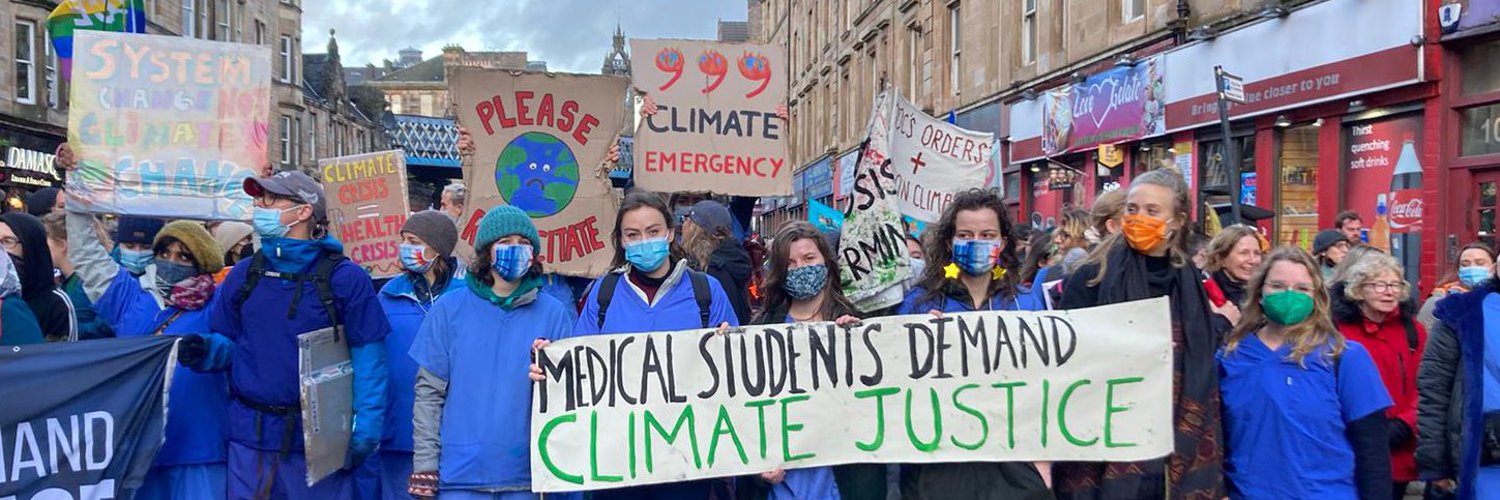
(192, 350)
(1398, 432)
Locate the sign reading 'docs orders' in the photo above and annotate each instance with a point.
(933, 160)
(716, 127)
(540, 142)
(166, 126)
(367, 204)
(1083, 385)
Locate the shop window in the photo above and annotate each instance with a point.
(1296, 187)
(1153, 155)
(1484, 212)
(1481, 64)
(1481, 130)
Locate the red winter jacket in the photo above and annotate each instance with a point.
(1397, 360)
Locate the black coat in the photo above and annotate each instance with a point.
(730, 264)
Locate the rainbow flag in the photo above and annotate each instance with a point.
(127, 16)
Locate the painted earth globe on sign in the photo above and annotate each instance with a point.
(537, 173)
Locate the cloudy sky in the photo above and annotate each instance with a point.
(571, 35)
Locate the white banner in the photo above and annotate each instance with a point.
(874, 263)
(932, 160)
(1084, 385)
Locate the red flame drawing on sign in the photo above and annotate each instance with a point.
(669, 60)
(756, 68)
(712, 63)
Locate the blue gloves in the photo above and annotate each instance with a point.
(369, 401)
(205, 352)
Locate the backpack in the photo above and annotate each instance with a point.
(322, 278)
(701, 293)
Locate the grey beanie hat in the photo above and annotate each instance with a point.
(434, 227)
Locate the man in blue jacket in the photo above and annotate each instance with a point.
(297, 283)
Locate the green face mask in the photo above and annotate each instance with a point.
(1287, 307)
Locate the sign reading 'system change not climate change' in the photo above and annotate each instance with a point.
(165, 126)
(716, 127)
(1083, 385)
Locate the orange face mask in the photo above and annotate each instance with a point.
(1143, 232)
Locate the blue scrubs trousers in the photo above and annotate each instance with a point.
(395, 473)
(250, 470)
(184, 482)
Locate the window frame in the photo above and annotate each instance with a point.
(190, 18)
(29, 62)
(1128, 12)
(224, 20)
(955, 47)
(285, 137)
(287, 75)
(312, 133)
(53, 84)
(1028, 32)
(914, 61)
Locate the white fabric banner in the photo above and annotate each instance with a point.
(932, 160)
(1083, 385)
(874, 263)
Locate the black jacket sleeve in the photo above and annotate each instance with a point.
(1435, 379)
(1372, 456)
(1077, 293)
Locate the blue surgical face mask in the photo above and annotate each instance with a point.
(1473, 275)
(170, 273)
(977, 257)
(805, 282)
(414, 258)
(135, 261)
(512, 261)
(267, 222)
(648, 255)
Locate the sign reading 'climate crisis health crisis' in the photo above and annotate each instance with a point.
(540, 143)
(368, 205)
(1082, 385)
(716, 127)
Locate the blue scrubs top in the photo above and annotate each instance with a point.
(484, 353)
(806, 483)
(1286, 421)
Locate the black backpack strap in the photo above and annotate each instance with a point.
(606, 294)
(257, 268)
(1411, 332)
(703, 294)
(323, 280)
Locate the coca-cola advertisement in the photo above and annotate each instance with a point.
(1383, 181)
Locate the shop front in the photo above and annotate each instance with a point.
(23, 171)
(1331, 122)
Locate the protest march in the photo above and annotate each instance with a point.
(604, 296)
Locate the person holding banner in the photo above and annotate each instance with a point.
(802, 286)
(1149, 259)
(170, 298)
(298, 282)
(431, 272)
(1304, 407)
(652, 289)
(971, 266)
(472, 415)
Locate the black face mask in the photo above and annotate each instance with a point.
(18, 261)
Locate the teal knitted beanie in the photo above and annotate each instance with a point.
(503, 221)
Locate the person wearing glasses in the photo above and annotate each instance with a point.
(1374, 307)
(1304, 413)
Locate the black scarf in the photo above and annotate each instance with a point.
(1196, 468)
(1233, 290)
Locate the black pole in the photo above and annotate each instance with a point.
(1231, 156)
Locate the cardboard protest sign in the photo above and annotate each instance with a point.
(872, 250)
(716, 127)
(540, 145)
(367, 206)
(326, 380)
(166, 126)
(933, 160)
(1082, 385)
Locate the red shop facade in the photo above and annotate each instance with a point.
(1332, 122)
(1469, 118)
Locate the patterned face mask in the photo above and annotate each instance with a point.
(805, 282)
(414, 258)
(977, 257)
(512, 261)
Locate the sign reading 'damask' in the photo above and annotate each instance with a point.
(367, 205)
(166, 126)
(1083, 385)
(716, 127)
(540, 142)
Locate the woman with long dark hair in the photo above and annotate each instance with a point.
(1148, 259)
(971, 266)
(803, 286)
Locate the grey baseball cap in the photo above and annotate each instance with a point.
(291, 184)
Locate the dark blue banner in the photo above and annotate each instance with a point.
(81, 420)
